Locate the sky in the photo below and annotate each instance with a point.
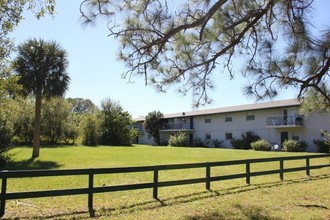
(96, 73)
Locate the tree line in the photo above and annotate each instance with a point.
(66, 121)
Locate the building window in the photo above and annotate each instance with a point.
(228, 118)
(295, 137)
(208, 120)
(208, 136)
(229, 135)
(250, 116)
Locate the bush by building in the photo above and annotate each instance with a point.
(294, 146)
(261, 145)
(178, 140)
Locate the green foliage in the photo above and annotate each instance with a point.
(152, 124)
(42, 67)
(90, 130)
(48, 79)
(11, 15)
(116, 124)
(183, 44)
(216, 143)
(5, 141)
(261, 145)
(178, 140)
(198, 142)
(314, 102)
(56, 112)
(23, 119)
(294, 146)
(80, 105)
(237, 143)
(245, 141)
(322, 146)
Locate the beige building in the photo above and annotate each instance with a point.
(274, 121)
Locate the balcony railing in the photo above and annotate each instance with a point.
(139, 127)
(285, 121)
(176, 126)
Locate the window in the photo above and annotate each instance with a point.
(229, 135)
(208, 136)
(250, 116)
(208, 120)
(295, 136)
(228, 118)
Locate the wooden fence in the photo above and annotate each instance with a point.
(91, 189)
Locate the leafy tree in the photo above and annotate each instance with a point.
(23, 119)
(11, 15)
(152, 124)
(6, 130)
(41, 66)
(314, 101)
(71, 129)
(56, 126)
(80, 105)
(116, 124)
(90, 129)
(5, 141)
(182, 42)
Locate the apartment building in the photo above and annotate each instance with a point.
(274, 121)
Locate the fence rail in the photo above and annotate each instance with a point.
(91, 189)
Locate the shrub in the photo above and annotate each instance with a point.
(294, 146)
(178, 140)
(261, 145)
(198, 143)
(245, 141)
(217, 143)
(90, 130)
(237, 143)
(322, 146)
(5, 142)
(303, 145)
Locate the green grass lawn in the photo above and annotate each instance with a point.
(297, 197)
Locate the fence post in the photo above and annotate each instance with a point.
(155, 189)
(281, 169)
(307, 167)
(3, 193)
(208, 176)
(90, 193)
(247, 172)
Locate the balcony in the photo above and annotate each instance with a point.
(139, 127)
(182, 126)
(285, 121)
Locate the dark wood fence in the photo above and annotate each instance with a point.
(91, 189)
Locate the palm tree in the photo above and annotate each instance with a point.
(41, 66)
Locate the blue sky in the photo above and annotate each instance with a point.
(96, 73)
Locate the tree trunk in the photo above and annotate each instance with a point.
(37, 125)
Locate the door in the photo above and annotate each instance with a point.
(284, 136)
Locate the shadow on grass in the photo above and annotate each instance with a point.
(252, 213)
(48, 146)
(31, 164)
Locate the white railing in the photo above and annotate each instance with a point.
(285, 120)
(176, 126)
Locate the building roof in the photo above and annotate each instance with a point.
(237, 108)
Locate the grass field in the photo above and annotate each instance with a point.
(297, 197)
